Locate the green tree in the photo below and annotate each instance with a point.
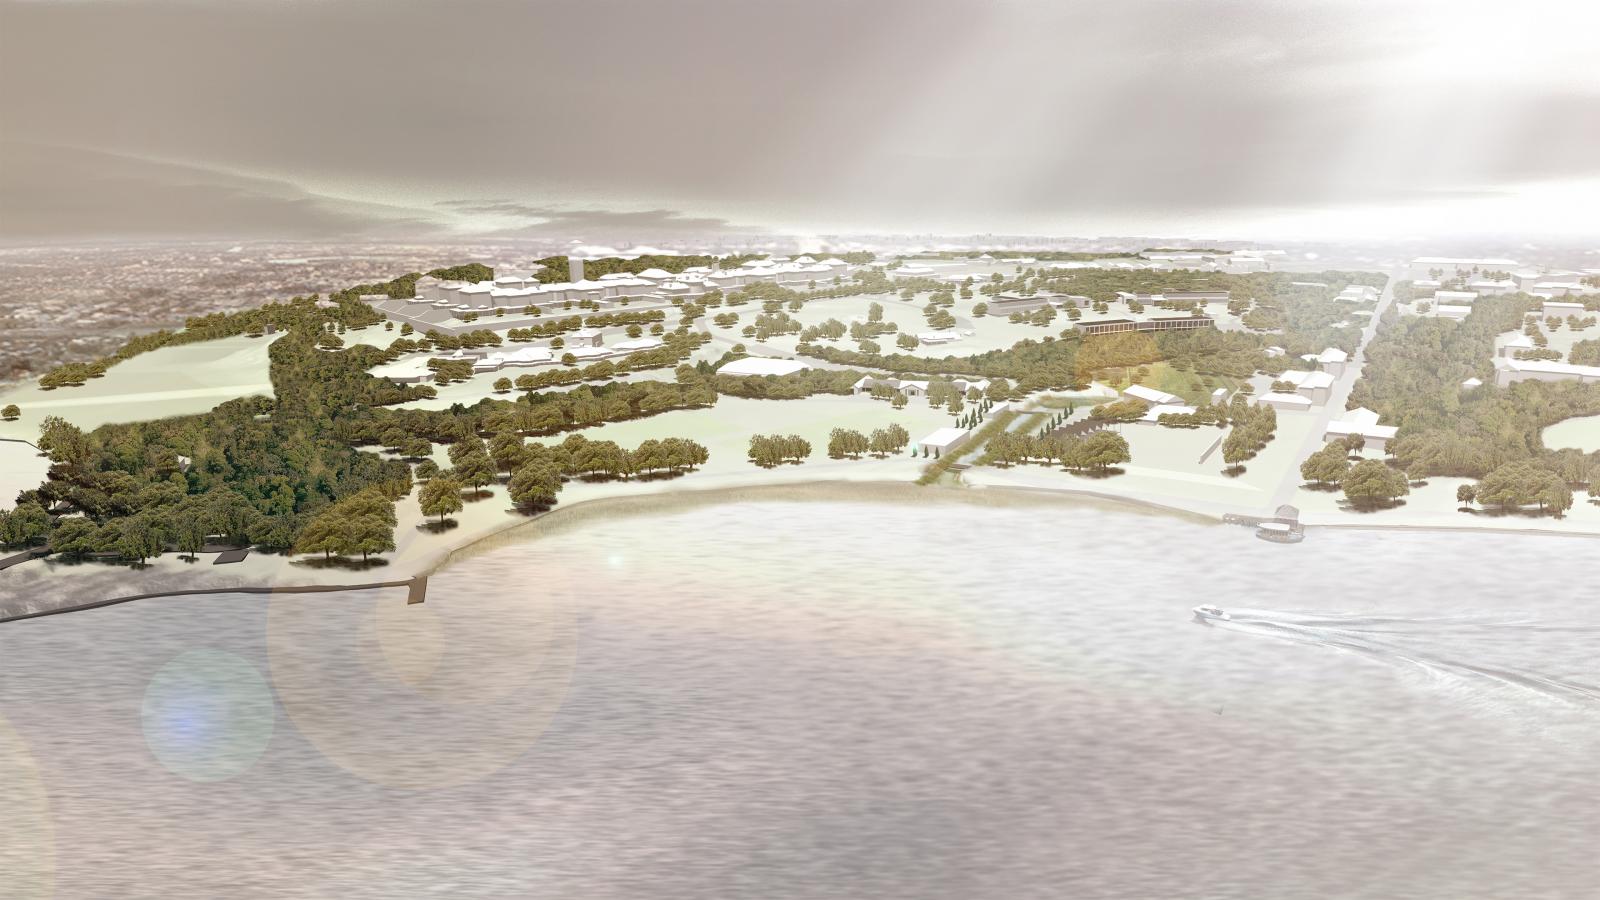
(535, 483)
(189, 532)
(11, 413)
(139, 538)
(75, 536)
(1371, 483)
(847, 442)
(1327, 465)
(440, 497)
(25, 525)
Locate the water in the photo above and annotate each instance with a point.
(833, 700)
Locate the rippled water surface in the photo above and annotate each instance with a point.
(832, 699)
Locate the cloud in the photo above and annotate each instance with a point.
(64, 193)
(636, 224)
(1065, 115)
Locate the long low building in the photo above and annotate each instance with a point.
(944, 440)
(1510, 370)
(1165, 323)
(762, 365)
(1175, 297)
(1361, 422)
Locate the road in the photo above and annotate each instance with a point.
(1337, 397)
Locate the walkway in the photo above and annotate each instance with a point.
(1337, 396)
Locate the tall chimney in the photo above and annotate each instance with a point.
(574, 268)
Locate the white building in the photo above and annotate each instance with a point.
(1553, 310)
(638, 344)
(1287, 402)
(1444, 311)
(1518, 342)
(1510, 371)
(762, 365)
(1153, 415)
(938, 337)
(1151, 395)
(1363, 422)
(1333, 360)
(944, 440)
(1454, 298)
(1422, 266)
(585, 337)
(1314, 386)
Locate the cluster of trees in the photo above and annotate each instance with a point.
(1253, 428)
(555, 267)
(770, 450)
(1204, 414)
(787, 387)
(1327, 465)
(1127, 410)
(1412, 378)
(882, 442)
(535, 472)
(363, 523)
(1519, 484)
(1372, 483)
(1097, 451)
(300, 312)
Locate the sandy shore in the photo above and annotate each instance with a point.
(49, 585)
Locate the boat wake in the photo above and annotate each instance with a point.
(1448, 649)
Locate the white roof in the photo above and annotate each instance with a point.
(1457, 296)
(1520, 341)
(1156, 412)
(1361, 416)
(655, 273)
(1307, 379)
(643, 343)
(1150, 395)
(1333, 355)
(1472, 383)
(1548, 367)
(1451, 260)
(586, 333)
(760, 365)
(944, 437)
(1277, 399)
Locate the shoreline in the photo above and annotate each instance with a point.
(825, 490)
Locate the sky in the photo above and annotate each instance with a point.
(644, 119)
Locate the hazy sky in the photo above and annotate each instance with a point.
(606, 118)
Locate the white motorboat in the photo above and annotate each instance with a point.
(1216, 613)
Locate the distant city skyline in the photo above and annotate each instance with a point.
(610, 120)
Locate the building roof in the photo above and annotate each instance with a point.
(1313, 380)
(1333, 355)
(1547, 367)
(760, 365)
(1472, 383)
(642, 343)
(1455, 261)
(1156, 412)
(1278, 399)
(1150, 395)
(1346, 427)
(944, 437)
